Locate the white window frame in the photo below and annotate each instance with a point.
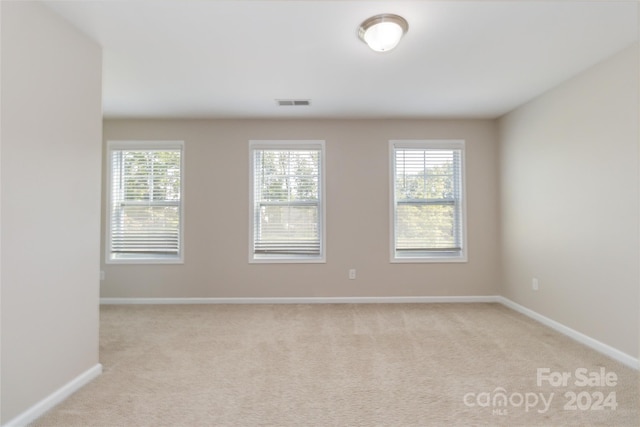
(144, 145)
(288, 145)
(428, 257)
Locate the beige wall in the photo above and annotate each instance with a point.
(569, 197)
(50, 204)
(357, 189)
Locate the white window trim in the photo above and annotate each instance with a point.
(144, 145)
(446, 144)
(287, 145)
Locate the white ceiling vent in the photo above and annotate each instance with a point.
(293, 102)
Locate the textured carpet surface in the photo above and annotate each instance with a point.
(344, 365)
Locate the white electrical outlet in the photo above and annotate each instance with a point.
(534, 284)
(352, 274)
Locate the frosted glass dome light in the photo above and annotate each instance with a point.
(383, 32)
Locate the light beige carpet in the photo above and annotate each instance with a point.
(342, 365)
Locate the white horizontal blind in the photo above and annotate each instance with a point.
(427, 201)
(286, 202)
(145, 211)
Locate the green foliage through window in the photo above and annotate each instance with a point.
(427, 201)
(145, 210)
(287, 205)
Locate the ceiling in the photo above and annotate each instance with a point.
(233, 59)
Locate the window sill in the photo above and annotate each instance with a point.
(286, 260)
(431, 259)
(145, 261)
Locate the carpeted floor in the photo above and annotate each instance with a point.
(344, 365)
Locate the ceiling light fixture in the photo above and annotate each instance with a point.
(383, 32)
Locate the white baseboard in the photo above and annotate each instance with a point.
(303, 300)
(600, 347)
(55, 398)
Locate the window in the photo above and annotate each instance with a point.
(145, 201)
(428, 201)
(287, 201)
